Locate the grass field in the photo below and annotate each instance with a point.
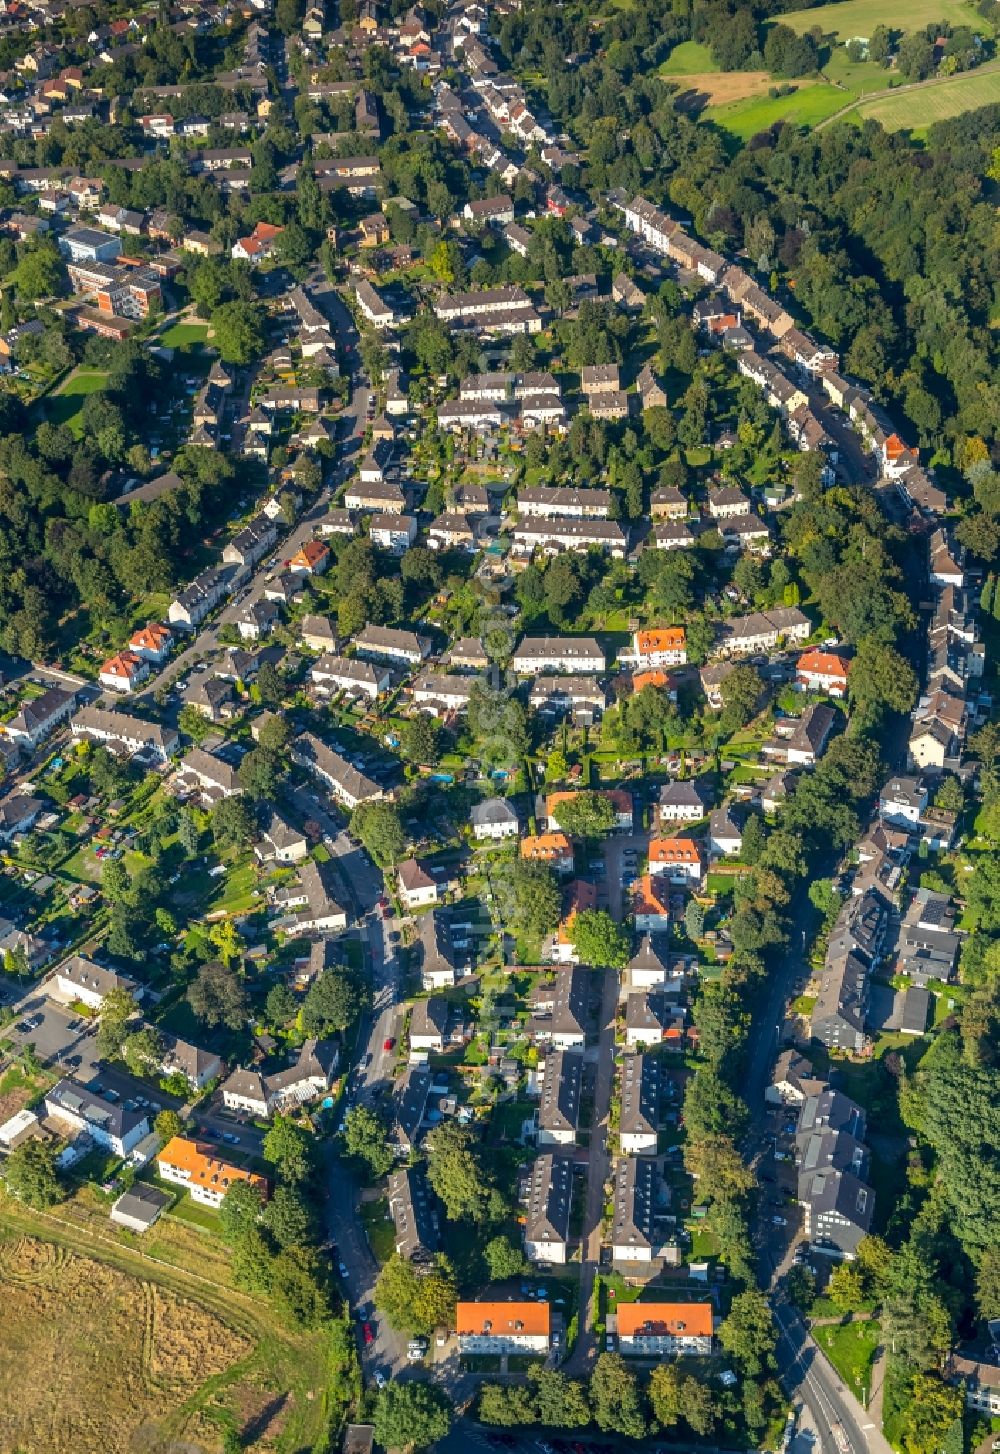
(65, 406)
(805, 107)
(848, 18)
(916, 110)
(689, 59)
(182, 335)
(851, 1347)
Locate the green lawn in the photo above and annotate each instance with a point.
(65, 406)
(189, 1211)
(861, 77)
(847, 18)
(689, 59)
(851, 1347)
(805, 107)
(182, 335)
(379, 1228)
(237, 893)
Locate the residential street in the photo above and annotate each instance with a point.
(598, 1170)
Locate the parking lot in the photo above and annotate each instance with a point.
(623, 855)
(62, 1039)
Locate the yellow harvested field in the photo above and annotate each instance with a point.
(716, 88)
(91, 1359)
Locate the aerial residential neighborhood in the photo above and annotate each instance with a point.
(499, 799)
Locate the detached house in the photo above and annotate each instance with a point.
(40, 717)
(205, 1174)
(417, 888)
(666, 646)
(822, 671)
(80, 979)
(679, 858)
(494, 821)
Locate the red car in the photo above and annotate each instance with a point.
(388, 1042)
(367, 1334)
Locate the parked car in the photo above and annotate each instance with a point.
(388, 1042)
(367, 1334)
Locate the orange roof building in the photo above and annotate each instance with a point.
(554, 848)
(666, 646)
(651, 903)
(519, 1322)
(122, 672)
(822, 671)
(653, 1329)
(491, 1327)
(313, 558)
(679, 857)
(152, 641)
(206, 1175)
(258, 245)
(654, 678)
(580, 895)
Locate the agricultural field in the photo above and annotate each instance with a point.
(935, 101)
(66, 405)
(132, 1348)
(139, 1362)
(847, 18)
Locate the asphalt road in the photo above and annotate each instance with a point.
(364, 887)
(585, 1352)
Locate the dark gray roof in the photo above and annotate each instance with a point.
(430, 1016)
(634, 1198)
(110, 1113)
(434, 937)
(550, 1188)
(493, 810)
(559, 1109)
(640, 1094)
(409, 1102)
(412, 1209)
